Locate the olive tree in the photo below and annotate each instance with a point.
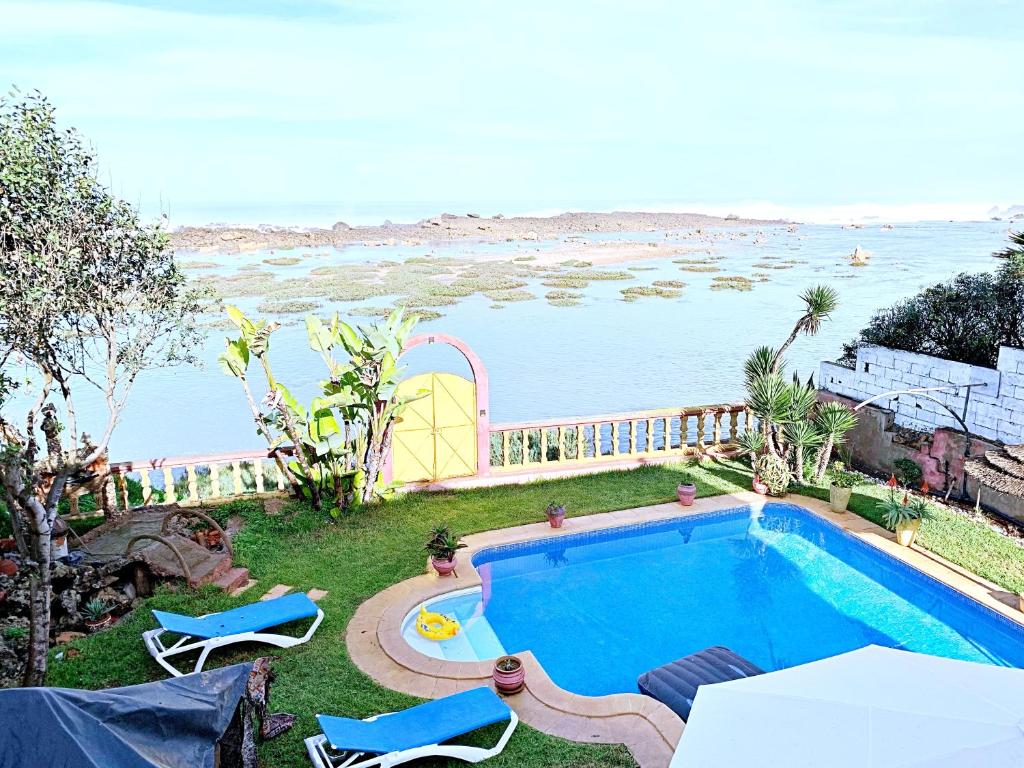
(89, 298)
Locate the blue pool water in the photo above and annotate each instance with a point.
(779, 586)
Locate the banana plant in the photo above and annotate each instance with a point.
(254, 341)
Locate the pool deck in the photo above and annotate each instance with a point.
(649, 729)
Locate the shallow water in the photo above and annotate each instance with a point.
(604, 356)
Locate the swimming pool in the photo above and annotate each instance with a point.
(780, 586)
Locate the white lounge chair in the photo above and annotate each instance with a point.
(391, 739)
(240, 625)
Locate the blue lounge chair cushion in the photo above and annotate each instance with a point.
(248, 618)
(675, 684)
(434, 722)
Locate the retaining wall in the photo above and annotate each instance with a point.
(995, 410)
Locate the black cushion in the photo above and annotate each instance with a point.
(675, 684)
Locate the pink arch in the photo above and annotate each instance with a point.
(483, 417)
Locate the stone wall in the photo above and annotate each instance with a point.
(995, 411)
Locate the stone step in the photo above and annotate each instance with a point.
(233, 579)
(204, 566)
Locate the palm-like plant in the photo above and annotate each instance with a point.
(832, 421)
(762, 361)
(768, 398)
(1015, 249)
(801, 435)
(819, 304)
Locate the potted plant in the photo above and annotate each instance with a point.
(555, 514)
(442, 546)
(904, 516)
(686, 490)
(97, 615)
(841, 486)
(509, 675)
(759, 485)
(774, 473)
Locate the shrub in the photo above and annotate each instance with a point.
(908, 473)
(965, 319)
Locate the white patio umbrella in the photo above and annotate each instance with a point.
(874, 707)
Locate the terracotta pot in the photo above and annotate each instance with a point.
(686, 492)
(760, 487)
(95, 626)
(213, 538)
(8, 545)
(906, 532)
(444, 567)
(509, 681)
(8, 567)
(556, 520)
(839, 498)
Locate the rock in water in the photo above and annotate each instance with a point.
(859, 257)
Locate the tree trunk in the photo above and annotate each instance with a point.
(39, 604)
(823, 457)
(375, 458)
(798, 458)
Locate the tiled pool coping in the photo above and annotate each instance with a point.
(648, 729)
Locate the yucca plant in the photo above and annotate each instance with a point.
(833, 420)
(790, 420)
(801, 435)
(1015, 249)
(819, 304)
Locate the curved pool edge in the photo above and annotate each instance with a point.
(375, 642)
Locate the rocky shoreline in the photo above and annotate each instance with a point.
(444, 228)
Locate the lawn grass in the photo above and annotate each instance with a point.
(367, 551)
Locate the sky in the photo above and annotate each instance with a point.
(390, 108)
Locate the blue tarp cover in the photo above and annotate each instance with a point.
(173, 723)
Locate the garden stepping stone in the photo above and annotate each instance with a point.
(316, 595)
(278, 590)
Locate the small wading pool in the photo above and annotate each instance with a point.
(779, 586)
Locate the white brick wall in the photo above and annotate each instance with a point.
(995, 411)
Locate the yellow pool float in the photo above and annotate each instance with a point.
(436, 626)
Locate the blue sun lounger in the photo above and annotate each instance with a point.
(391, 739)
(240, 625)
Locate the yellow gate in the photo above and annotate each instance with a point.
(435, 436)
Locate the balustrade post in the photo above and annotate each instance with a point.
(236, 475)
(505, 458)
(257, 468)
(169, 495)
(122, 486)
(561, 444)
(716, 427)
(734, 425)
(214, 480)
(632, 437)
(147, 487)
(193, 483)
(668, 434)
(597, 441)
(543, 445)
(649, 437)
(700, 433)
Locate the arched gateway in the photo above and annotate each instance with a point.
(445, 433)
